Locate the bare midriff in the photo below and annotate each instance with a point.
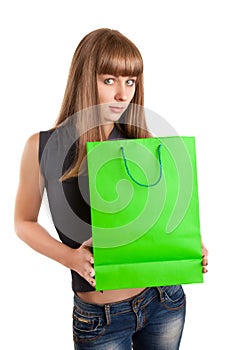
(109, 296)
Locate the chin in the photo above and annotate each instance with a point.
(112, 118)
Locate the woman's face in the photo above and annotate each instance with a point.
(115, 94)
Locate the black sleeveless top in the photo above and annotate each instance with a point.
(67, 201)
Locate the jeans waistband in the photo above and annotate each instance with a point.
(121, 306)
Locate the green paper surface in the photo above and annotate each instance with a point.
(144, 236)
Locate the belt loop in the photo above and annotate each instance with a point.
(107, 314)
(161, 294)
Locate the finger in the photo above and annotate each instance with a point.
(204, 252)
(204, 260)
(88, 270)
(92, 272)
(92, 282)
(92, 279)
(90, 259)
(204, 263)
(88, 275)
(88, 243)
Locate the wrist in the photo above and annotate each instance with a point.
(65, 255)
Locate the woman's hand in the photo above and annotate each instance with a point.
(82, 262)
(204, 259)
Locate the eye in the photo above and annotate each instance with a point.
(130, 82)
(109, 81)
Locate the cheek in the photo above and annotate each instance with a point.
(132, 94)
(104, 94)
(100, 93)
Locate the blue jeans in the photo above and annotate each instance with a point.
(153, 319)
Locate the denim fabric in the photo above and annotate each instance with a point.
(154, 319)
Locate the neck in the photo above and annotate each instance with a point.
(108, 129)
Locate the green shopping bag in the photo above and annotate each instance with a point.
(144, 212)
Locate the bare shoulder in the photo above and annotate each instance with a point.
(33, 141)
(30, 152)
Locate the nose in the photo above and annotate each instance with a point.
(121, 94)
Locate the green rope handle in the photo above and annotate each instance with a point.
(133, 179)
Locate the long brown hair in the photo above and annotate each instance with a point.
(103, 51)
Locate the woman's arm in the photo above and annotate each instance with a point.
(27, 206)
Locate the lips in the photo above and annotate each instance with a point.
(116, 109)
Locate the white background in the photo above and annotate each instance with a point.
(188, 55)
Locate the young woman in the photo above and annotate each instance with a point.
(105, 82)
